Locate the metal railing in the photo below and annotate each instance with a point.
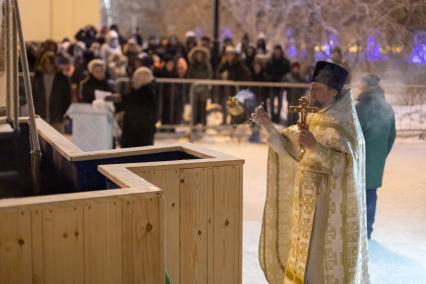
(408, 101)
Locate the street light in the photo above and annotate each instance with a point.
(216, 43)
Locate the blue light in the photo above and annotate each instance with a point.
(332, 39)
(418, 53)
(226, 33)
(372, 52)
(324, 53)
(319, 55)
(292, 51)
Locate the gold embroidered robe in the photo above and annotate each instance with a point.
(314, 224)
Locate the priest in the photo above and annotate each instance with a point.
(314, 224)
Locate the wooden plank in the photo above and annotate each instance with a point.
(202, 152)
(37, 245)
(227, 224)
(103, 242)
(193, 225)
(15, 246)
(179, 164)
(168, 181)
(62, 144)
(142, 241)
(58, 199)
(210, 228)
(124, 152)
(63, 244)
(123, 177)
(241, 218)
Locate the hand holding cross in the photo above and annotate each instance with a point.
(303, 108)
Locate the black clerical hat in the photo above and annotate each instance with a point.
(330, 74)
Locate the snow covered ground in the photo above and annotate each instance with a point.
(397, 253)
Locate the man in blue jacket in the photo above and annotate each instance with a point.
(378, 126)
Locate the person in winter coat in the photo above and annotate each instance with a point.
(250, 58)
(377, 121)
(117, 66)
(242, 47)
(261, 46)
(276, 68)
(231, 68)
(182, 89)
(171, 101)
(95, 81)
(51, 91)
(294, 94)
(140, 111)
(190, 43)
(132, 51)
(200, 68)
(112, 46)
(258, 75)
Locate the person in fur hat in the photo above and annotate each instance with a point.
(140, 111)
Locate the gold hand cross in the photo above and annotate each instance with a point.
(304, 109)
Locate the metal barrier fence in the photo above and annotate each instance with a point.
(408, 101)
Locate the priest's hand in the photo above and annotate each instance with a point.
(307, 139)
(261, 118)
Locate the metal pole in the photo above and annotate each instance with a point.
(216, 43)
(35, 145)
(161, 103)
(191, 99)
(8, 61)
(171, 103)
(15, 77)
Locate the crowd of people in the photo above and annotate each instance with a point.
(72, 71)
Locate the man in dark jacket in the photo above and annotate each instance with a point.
(377, 121)
(276, 68)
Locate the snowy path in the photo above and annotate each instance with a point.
(398, 250)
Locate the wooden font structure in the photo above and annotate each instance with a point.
(175, 209)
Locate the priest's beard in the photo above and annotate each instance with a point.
(315, 103)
